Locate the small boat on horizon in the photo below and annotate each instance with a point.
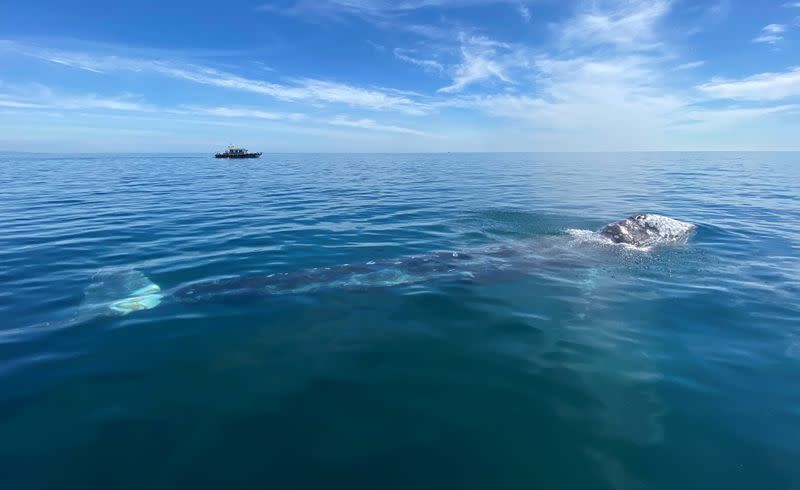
(234, 152)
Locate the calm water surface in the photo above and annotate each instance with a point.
(589, 366)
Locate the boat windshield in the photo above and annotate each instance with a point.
(236, 151)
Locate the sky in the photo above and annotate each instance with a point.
(399, 76)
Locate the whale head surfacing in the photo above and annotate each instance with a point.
(646, 230)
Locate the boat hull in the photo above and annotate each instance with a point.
(243, 155)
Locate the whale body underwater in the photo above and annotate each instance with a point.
(125, 292)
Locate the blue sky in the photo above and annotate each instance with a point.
(404, 75)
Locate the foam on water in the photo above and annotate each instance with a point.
(587, 236)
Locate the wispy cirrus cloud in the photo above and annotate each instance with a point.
(299, 90)
(382, 9)
(372, 125)
(524, 11)
(731, 116)
(582, 93)
(40, 98)
(622, 24)
(12, 103)
(611, 77)
(242, 112)
(37, 96)
(483, 60)
(580, 86)
(613, 74)
(771, 34)
(707, 16)
(339, 120)
(691, 65)
(760, 87)
(426, 64)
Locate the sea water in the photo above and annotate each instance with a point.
(585, 365)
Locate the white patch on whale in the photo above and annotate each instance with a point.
(120, 292)
(639, 232)
(648, 230)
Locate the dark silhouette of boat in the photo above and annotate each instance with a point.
(233, 152)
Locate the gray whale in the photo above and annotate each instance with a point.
(646, 230)
(121, 293)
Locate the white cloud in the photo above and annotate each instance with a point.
(616, 95)
(774, 28)
(82, 64)
(792, 4)
(307, 90)
(608, 80)
(381, 9)
(624, 24)
(303, 90)
(41, 98)
(690, 65)
(18, 104)
(483, 59)
(760, 87)
(376, 46)
(37, 96)
(705, 17)
(620, 89)
(433, 32)
(425, 64)
(731, 116)
(250, 113)
(768, 39)
(95, 102)
(524, 12)
(372, 125)
(239, 112)
(374, 99)
(771, 34)
(620, 96)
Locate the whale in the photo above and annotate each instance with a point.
(122, 292)
(646, 230)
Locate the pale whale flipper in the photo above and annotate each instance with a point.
(145, 298)
(120, 293)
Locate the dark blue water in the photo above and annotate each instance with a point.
(581, 366)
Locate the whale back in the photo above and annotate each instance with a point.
(646, 230)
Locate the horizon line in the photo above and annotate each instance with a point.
(13, 152)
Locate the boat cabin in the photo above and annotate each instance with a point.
(234, 152)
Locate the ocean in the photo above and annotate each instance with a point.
(398, 321)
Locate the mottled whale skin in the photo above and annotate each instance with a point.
(131, 291)
(646, 230)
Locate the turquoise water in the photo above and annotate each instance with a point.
(314, 328)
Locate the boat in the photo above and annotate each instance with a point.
(233, 152)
